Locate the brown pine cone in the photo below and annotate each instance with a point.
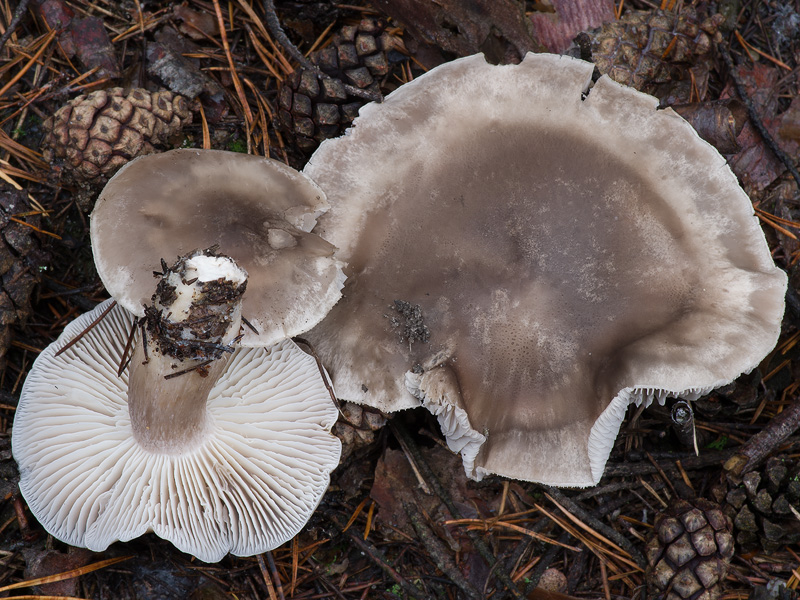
(689, 551)
(21, 259)
(765, 507)
(650, 47)
(99, 132)
(311, 109)
(356, 427)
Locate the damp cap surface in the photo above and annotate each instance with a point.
(256, 210)
(568, 248)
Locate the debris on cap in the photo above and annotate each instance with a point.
(256, 210)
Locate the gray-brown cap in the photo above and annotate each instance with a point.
(528, 253)
(256, 210)
(247, 485)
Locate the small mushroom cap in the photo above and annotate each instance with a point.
(250, 486)
(257, 210)
(565, 251)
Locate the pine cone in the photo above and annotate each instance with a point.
(21, 258)
(689, 551)
(99, 132)
(356, 427)
(310, 109)
(765, 508)
(644, 48)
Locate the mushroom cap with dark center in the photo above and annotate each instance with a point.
(558, 251)
(256, 210)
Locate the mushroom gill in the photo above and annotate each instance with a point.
(247, 482)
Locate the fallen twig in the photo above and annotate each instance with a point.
(689, 462)
(19, 12)
(437, 487)
(762, 444)
(578, 511)
(378, 558)
(439, 554)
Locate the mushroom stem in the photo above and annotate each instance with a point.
(196, 314)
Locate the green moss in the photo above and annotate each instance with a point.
(719, 443)
(237, 145)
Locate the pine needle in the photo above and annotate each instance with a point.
(66, 574)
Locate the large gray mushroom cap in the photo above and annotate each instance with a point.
(558, 249)
(257, 210)
(249, 486)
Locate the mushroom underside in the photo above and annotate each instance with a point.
(535, 274)
(250, 486)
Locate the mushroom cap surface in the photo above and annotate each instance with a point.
(257, 210)
(250, 486)
(565, 249)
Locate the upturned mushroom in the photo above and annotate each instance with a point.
(256, 210)
(528, 253)
(212, 446)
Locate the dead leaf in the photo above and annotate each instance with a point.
(93, 46)
(781, 197)
(714, 122)
(176, 72)
(167, 64)
(41, 563)
(395, 483)
(58, 16)
(392, 486)
(197, 25)
(755, 165)
(56, 13)
(789, 129)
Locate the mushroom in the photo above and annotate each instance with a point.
(257, 210)
(214, 447)
(528, 253)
